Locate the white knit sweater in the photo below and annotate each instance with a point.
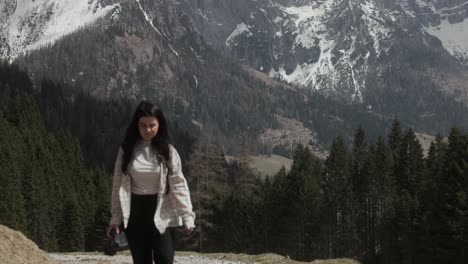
(173, 208)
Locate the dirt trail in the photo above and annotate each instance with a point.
(83, 258)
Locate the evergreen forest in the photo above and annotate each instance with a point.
(375, 199)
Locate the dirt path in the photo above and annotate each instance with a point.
(125, 259)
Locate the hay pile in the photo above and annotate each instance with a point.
(15, 248)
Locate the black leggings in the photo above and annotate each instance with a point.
(145, 241)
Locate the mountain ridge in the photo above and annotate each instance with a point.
(166, 51)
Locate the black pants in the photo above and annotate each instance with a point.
(144, 239)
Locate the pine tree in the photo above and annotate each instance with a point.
(23, 113)
(411, 181)
(303, 197)
(102, 181)
(394, 138)
(452, 196)
(431, 205)
(361, 187)
(386, 197)
(12, 207)
(208, 176)
(73, 237)
(276, 208)
(336, 185)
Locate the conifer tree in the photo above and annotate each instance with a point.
(277, 208)
(303, 197)
(12, 207)
(336, 185)
(361, 187)
(394, 138)
(102, 181)
(385, 188)
(73, 238)
(453, 198)
(208, 178)
(410, 180)
(23, 113)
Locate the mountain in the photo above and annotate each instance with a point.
(30, 24)
(248, 68)
(335, 46)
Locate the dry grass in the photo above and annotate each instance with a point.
(267, 258)
(267, 165)
(16, 248)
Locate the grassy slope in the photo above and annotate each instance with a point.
(267, 165)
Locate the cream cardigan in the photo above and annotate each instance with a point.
(173, 208)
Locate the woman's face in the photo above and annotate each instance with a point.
(148, 127)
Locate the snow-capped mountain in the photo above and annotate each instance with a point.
(30, 24)
(332, 45)
(404, 58)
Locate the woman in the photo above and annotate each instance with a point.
(149, 192)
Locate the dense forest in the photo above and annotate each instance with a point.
(376, 200)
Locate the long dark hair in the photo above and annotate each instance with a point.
(159, 143)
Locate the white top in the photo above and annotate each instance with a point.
(173, 209)
(145, 170)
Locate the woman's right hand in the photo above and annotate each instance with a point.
(109, 230)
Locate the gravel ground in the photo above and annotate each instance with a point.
(122, 259)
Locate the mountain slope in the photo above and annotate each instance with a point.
(332, 46)
(373, 60)
(28, 25)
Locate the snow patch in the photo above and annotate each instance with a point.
(196, 80)
(202, 14)
(376, 27)
(148, 18)
(150, 21)
(328, 72)
(452, 38)
(37, 23)
(406, 9)
(311, 32)
(447, 9)
(304, 13)
(240, 29)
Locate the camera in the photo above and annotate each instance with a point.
(118, 242)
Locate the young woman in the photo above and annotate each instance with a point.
(149, 192)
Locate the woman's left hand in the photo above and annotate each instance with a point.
(187, 230)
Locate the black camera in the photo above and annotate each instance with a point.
(117, 242)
